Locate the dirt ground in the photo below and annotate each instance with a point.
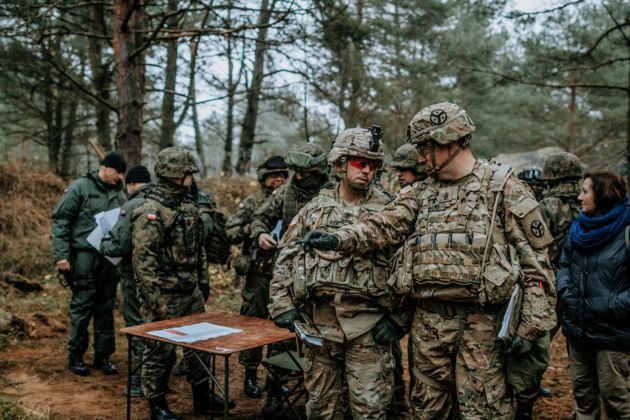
(34, 375)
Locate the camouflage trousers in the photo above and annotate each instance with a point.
(94, 297)
(157, 368)
(131, 308)
(255, 296)
(367, 368)
(458, 367)
(525, 371)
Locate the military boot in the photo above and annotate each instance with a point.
(135, 387)
(250, 387)
(159, 409)
(102, 362)
(273, 403)
(524, 411)
(76, 365)
(206, 402)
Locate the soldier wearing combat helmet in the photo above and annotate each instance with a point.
(170, 264)
(344, 298)
(310, 174)
(470, 233)
(409, 166)
(272, 174)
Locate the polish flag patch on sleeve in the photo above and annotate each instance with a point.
(151, 216)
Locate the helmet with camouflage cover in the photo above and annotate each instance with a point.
(442, 123)
(175, 162)
(307, 157)
(562, 165)
(359, 142)
(406, 157)
(273, 165)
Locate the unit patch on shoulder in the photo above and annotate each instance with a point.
(151, 216)
(537, 228)
(405, 190)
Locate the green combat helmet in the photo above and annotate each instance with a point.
(562, 166)
(359, 142)
(406, 157)
(274, 164)
(307, 157)
(442, 123)
(175, 162)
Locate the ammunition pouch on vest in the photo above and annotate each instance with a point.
(450, 265)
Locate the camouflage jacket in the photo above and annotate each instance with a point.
(357, 283)
(215, 239)
(73, 216)
(168, 254)
(560, 208)
(283, 205)
(446, 224)
(118, 243)
(238, 225)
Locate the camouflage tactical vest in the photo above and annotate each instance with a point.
(183, 240)
(443, 258)
(294, 199)
(362, 276)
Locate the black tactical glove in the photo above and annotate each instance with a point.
(320, 240)
(205, 291)
(286, 319)
(519, 345)
(387, 330)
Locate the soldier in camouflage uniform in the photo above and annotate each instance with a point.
(472, 231)
(272, 174)
(562, 173)
(346, 299)
(534, 179)
(170, 265)
(94, 290)
(409, 166)
(308, 162)
(118, 245)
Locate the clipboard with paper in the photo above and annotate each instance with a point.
(512, 316)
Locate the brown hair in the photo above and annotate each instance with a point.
(608, 188)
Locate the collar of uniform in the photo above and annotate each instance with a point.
(476, 174)
(564, 190)
(142, 190)
(364, 198)
(102, 185)
(173, 190)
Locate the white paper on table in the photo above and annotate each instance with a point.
(195, 332)
(105, 221)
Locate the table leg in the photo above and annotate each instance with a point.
(129, 340)
(226, 384)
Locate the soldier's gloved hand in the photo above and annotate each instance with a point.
(387, 330)
(519, 345)
(205, 291)
(317, 239)
(286, 319)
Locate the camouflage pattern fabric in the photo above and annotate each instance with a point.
(169, 262)
(255, 293)
(119, 244)
(72, 221)
(215, 239)
(344, 299)
(560, 207)
(445, 225)
(525, 371)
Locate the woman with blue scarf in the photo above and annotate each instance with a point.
(593, 287)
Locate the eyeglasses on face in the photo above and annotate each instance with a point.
(360, 163)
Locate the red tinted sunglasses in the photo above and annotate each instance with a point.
(360, 163)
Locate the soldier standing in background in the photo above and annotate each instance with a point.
(308, 162)
(271, 174)
(345, 299)
(170, 264)
(93, 278)
(472, 232)
(560, 206)
(410, 168)
(118, 244)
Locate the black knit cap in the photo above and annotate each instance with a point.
(139, 174)
(116, 161)
(274, 162)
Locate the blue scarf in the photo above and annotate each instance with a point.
(592, 232)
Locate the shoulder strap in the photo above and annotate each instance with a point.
(162, 198)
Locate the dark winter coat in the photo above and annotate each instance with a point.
(594, 293)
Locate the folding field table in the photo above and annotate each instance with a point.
(256, 332)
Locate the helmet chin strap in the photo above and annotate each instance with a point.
(433, 172)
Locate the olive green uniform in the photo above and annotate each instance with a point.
(95, 277)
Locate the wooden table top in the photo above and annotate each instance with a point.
(256, 332)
